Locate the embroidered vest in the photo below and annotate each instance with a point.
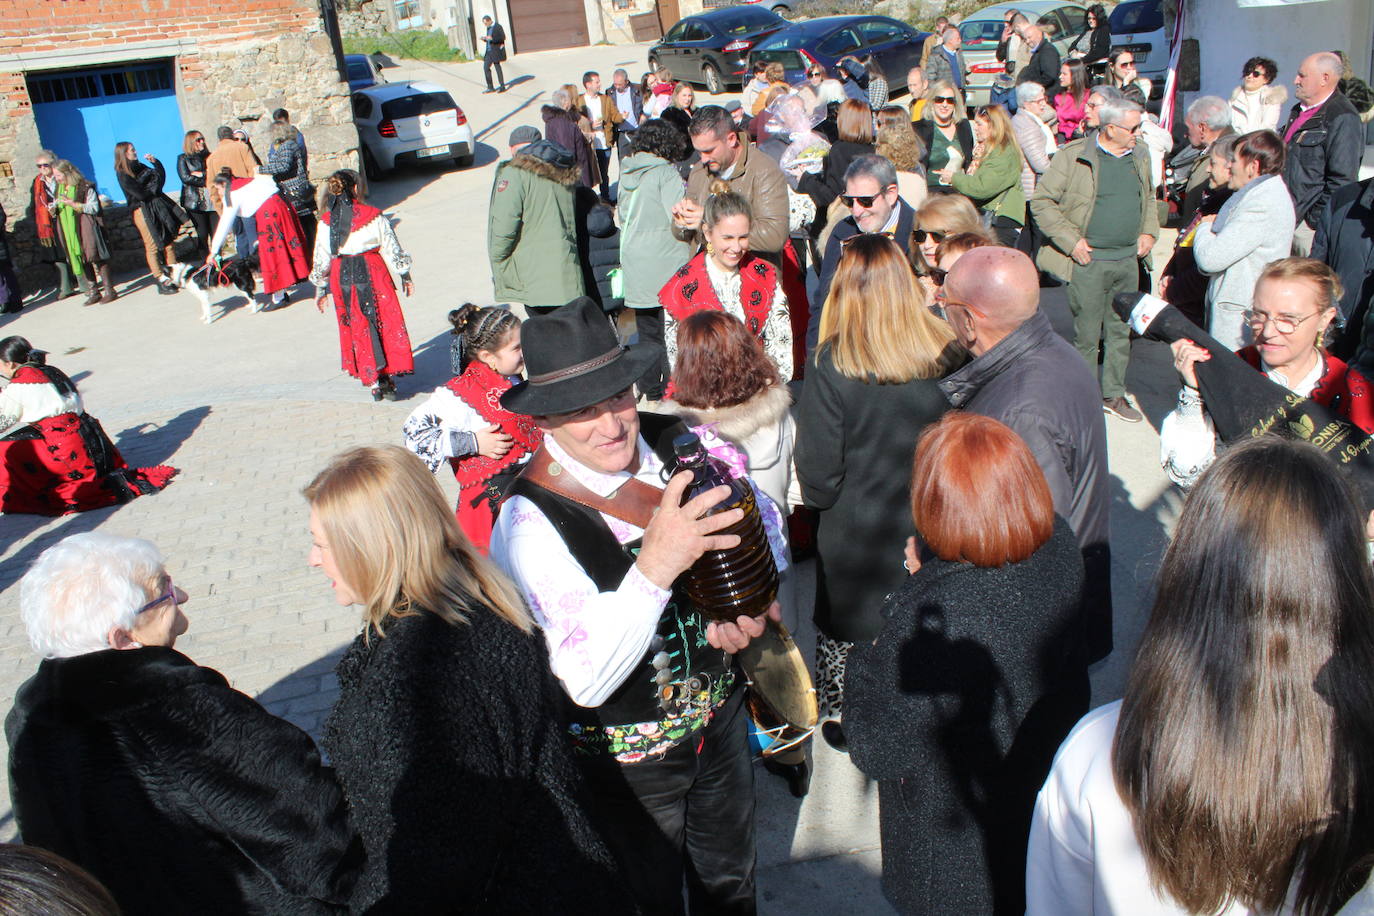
(689, 290)
(481, 388)
(1341, 388)
(681, 677)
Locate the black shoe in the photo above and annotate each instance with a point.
(833, 734)
(488, 91)
(798, 775)
(166, 289)
(502, 89)
(376, 393)
(11, 309)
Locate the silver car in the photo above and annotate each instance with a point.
(981, 32)
(410, 122)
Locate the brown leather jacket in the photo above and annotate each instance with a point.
(758, 180)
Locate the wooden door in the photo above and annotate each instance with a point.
(541, 25)
(668, 14)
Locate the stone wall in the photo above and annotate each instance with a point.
(234, 64)
(364, 17)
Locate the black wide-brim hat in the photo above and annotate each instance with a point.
(573, 359)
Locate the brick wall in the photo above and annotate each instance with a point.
(235, 63)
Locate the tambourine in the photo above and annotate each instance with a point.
(781, 699)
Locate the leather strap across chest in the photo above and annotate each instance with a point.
(634, 501)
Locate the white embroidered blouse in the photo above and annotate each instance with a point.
(29, 402)
(777, 327)
(375, 234)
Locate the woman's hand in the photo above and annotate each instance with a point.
(492, 443)
(150, 157)
(1186, 355)
(913, 556)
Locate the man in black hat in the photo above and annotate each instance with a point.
(598, 544)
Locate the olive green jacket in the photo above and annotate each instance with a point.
(532, 233)
(1063, 202)
(996, 186)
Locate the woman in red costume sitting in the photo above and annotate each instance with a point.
(54, 457)
(726, 277)
(1293, 306)
(351, 261)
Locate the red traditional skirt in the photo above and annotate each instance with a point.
(70, 465)
(372, 327)
(281, 246)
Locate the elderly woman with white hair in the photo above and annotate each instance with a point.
(560, 126)
(1033, 134)
(177, 792)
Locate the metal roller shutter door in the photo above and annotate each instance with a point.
(541, 25)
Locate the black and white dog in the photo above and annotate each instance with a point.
(202, 280)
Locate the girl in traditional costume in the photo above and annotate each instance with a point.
(282, 256)
(725, 277)
(352, 258)
(54, 457)
(465, 423)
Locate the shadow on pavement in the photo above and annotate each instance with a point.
(433, 363)
(149, 444)
(305, 696)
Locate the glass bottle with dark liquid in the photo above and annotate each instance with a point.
(724, 584)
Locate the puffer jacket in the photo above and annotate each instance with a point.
(1253, 228)
(1063, 202)
(1323, 156)
(286, 163)
(532, 233)
(649, 187)
(758, 180)
(598, 247)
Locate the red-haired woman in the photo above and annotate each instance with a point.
(959, 704)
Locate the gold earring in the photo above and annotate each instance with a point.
(710, 249)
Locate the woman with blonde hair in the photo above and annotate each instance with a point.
(992, 179)
(940, 217)
(82, 224)
(446, 737)
(945, 133)
(897, 144)
(873, 388)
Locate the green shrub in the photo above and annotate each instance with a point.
(414, 44)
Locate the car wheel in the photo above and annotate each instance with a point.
(714, 84)
(464, 162)
(370, 167)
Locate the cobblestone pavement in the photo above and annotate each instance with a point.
(252, 406)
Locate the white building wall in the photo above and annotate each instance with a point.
(1229, 34)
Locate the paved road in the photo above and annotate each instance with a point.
(252, 406)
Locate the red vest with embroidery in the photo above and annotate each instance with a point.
(481, 388)
(362, 215)
(689, 291)
(1341, 388)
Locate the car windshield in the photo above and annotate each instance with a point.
(421, 103)
(1137, 16)
(359, 70)
(745, 22)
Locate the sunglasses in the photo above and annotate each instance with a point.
(920, 235)
(937, 275)
(168, 595)
(816, 73)
(863, 200)
(43, 165)
(1257, 74)
(943, 100)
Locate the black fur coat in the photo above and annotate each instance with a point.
(179, 793)
(450, 748)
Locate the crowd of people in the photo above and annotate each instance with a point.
(537, 715)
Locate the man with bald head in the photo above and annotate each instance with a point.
(1325, 141)
(1028, 377)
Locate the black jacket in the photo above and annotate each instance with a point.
(598, 247)
(957, 710)
(846, 229)
(495, 51)
(560, 126)
(1042, 68)
(142, 187)
(449, 745)
(1035, 382)
(855, 442)
(1345, 241)
(963, 134)
(179, 793)
(1095, 44)
(1323, 156)
(194, 195)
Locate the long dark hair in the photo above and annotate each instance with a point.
(18, 350)
(1246, 736)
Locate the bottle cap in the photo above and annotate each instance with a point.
(686, 444)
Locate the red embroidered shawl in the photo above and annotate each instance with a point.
(1341, 388)
(689, 290)
(481, 388)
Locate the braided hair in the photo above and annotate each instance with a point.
(477, 328)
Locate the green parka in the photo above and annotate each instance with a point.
(532, 233)
(996, 186)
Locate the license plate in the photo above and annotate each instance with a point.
(1138, 49)
(433, 151)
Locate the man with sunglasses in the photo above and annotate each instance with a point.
(870, 195)
(1097, 210)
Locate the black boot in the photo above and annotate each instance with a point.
(64, 279)
(798, 775)
(834, 736)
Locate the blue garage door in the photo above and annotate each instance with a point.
(82, 114)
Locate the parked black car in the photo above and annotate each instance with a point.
(712, 48)
(825, 41)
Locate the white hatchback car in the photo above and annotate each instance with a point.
(414, 121)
